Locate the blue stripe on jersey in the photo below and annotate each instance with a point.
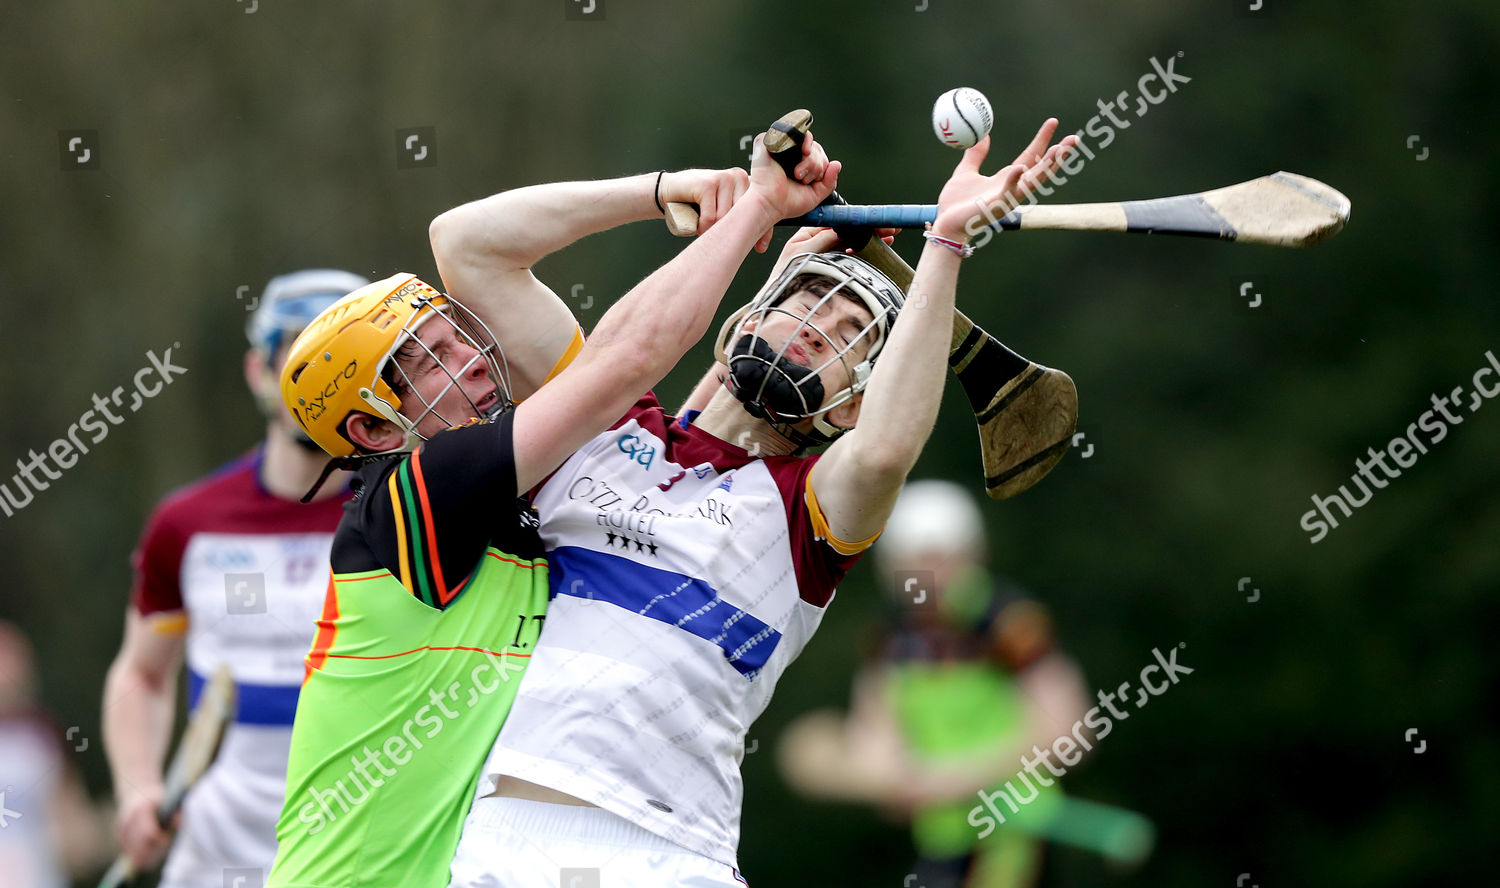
(257, 704)
(686, 602)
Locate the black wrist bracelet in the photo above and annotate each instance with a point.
(656, 193)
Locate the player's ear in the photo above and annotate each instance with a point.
(372, 434)
(846, 414)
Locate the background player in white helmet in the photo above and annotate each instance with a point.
(230, 570)
(964, 681)
(691, 559)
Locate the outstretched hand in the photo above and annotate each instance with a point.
(970, 200)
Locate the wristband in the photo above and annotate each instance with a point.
(656, 193)
(964, 251)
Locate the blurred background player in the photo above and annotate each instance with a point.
(964, 682)
(50, 829)
(231, 569)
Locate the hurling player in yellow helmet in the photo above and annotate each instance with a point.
(439, 589)
(361, 355)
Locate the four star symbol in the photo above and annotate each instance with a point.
(611, 537)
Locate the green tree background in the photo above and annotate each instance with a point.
(235, 145)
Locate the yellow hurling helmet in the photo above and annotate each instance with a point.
(343, 362)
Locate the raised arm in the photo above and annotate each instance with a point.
(485, 251)
(647, 332)
(857, 480)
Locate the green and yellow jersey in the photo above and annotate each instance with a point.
(437, 595)
(951, 683)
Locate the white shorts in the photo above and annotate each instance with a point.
(514, 843)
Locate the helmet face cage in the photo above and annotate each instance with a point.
(471, 331)
(852, 278)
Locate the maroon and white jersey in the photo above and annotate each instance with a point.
(244, 572)
(686, 575)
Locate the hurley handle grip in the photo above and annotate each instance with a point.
(788, 132)
(682, 219)
(784, 142)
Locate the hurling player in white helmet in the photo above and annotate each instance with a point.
(965, 682)
(230, 570)
(691, 558)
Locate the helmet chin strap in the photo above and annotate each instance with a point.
(344, 463)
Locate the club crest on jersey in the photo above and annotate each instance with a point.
(637, 450)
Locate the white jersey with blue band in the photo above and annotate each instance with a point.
(686, 576)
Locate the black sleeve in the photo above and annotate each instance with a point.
(428, 517)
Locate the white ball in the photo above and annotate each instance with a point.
(961, 117)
